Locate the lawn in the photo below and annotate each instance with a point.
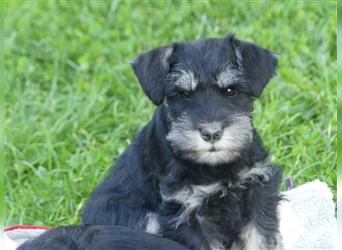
(73, 104)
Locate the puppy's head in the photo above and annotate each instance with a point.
(207, 87)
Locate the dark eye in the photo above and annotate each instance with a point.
(230, 92)
(184, 94)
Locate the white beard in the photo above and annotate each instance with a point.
(187, 141)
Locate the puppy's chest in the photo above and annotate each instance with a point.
(214, 210)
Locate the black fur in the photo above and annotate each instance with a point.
(155, 167)
(95, 237)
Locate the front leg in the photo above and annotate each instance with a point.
(262, 230)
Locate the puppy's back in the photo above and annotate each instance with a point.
(90, 237)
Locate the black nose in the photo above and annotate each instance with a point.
(211, 134)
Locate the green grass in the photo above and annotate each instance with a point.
(73, 103)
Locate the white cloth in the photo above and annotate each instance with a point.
(14, 238)
(307, 218)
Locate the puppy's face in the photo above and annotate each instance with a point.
(207, 88)
(209, 124)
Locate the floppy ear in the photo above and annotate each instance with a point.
(151, 69)
(257, 64)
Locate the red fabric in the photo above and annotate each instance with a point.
(26, 227)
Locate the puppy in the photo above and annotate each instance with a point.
(95, 237)
(197, 173)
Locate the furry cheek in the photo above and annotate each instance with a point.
(237, 135)
(184, 138)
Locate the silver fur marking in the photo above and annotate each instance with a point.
(216, 245)
(229, 75)
(152, 224)
(253, 240)
(167, 53)
(191, 197)
(184, 78)
(260, 171)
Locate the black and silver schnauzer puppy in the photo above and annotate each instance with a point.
(197, 173)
